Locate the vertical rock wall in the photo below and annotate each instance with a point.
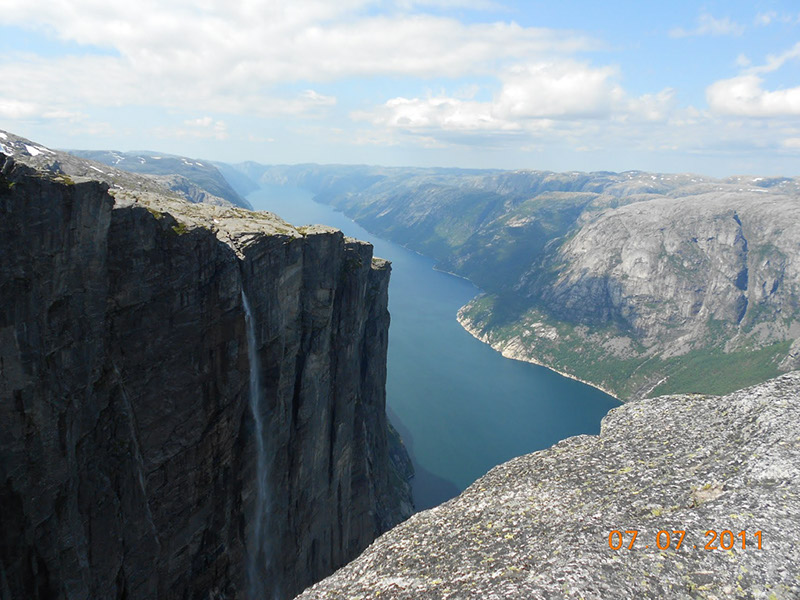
(126, 448)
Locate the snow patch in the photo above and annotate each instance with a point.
(96, 169)
(32, 150)
(43, 149)
(3, 150)
(3, 135)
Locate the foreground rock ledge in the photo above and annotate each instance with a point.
(538, 526)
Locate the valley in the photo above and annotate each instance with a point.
(635, 282)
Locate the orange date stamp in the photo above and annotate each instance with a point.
(665, 539)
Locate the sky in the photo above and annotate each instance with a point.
(707, 87)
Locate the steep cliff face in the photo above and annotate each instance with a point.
(127, 450)
(710, 485)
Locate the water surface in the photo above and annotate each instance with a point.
(460, 406)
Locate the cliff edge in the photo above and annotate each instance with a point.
(127, 429)
(717, 475)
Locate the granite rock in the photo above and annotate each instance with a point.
(672, 469)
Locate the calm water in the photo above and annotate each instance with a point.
(460, 406)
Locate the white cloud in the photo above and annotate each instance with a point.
(764, 19)
(768, 18)
(266, 42)
(436, 113)
(16, 109)
(793, 143)
(220, 57)
(204, 127)
(558, 89)
(709, 25)
(745, 96)
(201, 128)
(450, 4)
(539, 98)
(775, 62)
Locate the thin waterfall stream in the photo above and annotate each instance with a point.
(258, 554)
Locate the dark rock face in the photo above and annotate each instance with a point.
(126, 443)
(538, 527)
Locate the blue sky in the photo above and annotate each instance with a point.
(709, 87)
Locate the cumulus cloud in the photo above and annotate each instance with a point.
(709, 25)
(746, 96)
(255, 44)
(533, 98)
(16, 109)
(250, 57)
(436, 113)
(554, 89)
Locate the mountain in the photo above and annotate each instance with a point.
(198, 181)
(709, 486)
(638, 283)
(192, 397)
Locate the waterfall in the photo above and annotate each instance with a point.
(258, 553)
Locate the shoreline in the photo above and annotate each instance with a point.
(461, 321)
(438, 270)
(485, 339)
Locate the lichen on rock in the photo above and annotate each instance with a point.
(545, 525)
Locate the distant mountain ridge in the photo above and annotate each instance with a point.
(199, 181)
(639, 283)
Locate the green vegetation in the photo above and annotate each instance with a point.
(714, 372)
(582, 352)
(181, 228)
(158, 215)
(64, 178)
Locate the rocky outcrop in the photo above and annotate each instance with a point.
(709, 473)
(127, 451)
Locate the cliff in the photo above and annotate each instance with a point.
(638, 283)
(128, 450)
(688, 473)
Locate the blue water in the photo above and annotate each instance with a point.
(460, 406)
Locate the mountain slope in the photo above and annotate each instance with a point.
(636, 282)
(197, 181)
